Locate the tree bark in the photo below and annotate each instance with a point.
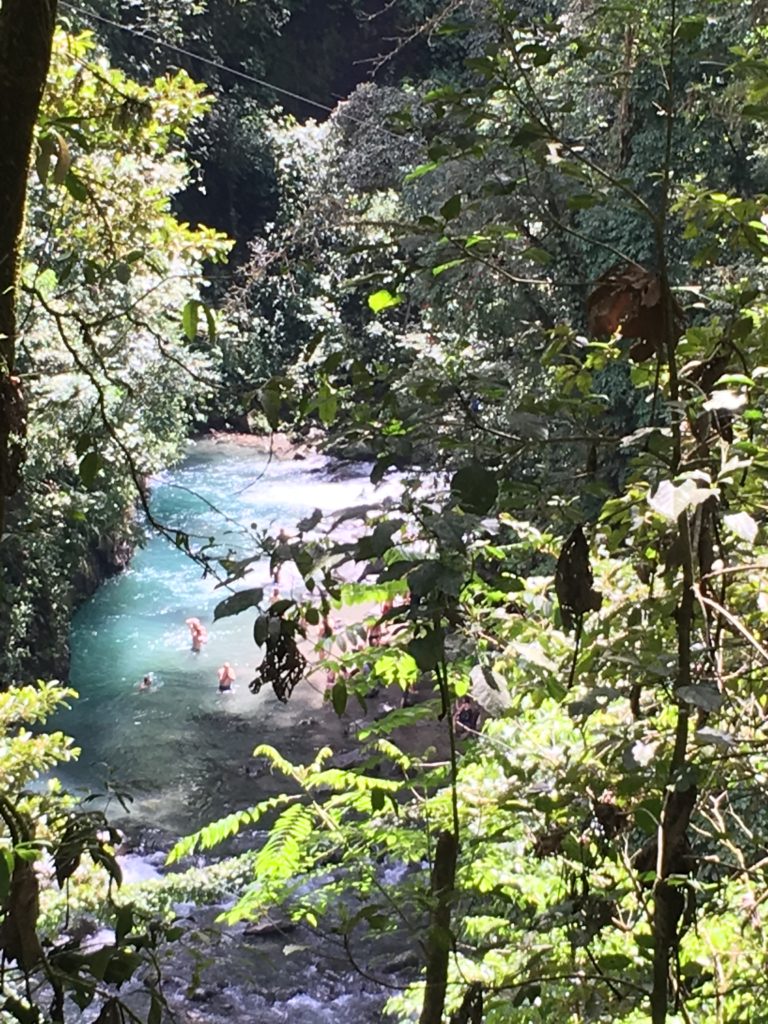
(26, 37)
(439, 941)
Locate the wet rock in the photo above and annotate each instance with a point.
(202, 995)
(407, 961)
(348, 759)
(269, 926)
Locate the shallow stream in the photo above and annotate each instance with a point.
(181, 749)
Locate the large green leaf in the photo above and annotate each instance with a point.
(189, 319)
(475, 488)
(238, 602)
(428, 650)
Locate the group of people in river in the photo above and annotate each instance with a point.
(466, 712)
(199, 636)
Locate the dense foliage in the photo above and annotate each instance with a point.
(590, 566)
(532, 281)
(113, 374)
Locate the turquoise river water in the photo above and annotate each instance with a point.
(181, 750)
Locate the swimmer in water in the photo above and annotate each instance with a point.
(226, 678)
(146, 682)
(198, 632)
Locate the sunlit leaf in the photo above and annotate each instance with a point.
(726, 401)
(382, 300)
(189, 319)
(670, 501)
(743, 525)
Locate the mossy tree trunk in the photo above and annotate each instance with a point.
(26, 35)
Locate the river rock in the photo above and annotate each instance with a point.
(269, 926)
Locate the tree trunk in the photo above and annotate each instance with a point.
(440, 941)
(26, 36)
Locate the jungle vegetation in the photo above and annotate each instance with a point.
(524, 266)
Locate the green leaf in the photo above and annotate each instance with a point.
(123, 922)
(21, 1011)
(442, 267)
(537, 255)
(339, 697)
(475, 488)
(123, 273)
(271, 399)
(210, 320)
(428, 650)
(382, 300)
(238, 602)
(397, 718)
(63, 161)
(583, 201)
(648, 815)
(421, 170)
(89, 466)
(261, 630)
(327, 404)
(6, 870)
(377, 543)
(378, 799)
(280, 607)
(155, 1010)
(189, 318)
(76, 187)
(121, 967)
(691, 27)
(736, 378)
(452, 208)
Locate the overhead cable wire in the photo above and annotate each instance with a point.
(219, 66)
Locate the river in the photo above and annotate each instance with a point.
(181, 749)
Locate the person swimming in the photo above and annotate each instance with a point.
(226, 678)
(146, 682)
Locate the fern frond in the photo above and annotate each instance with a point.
(395, 754)
(398, 718)
(277, 760)
(282, 854)
(341, 781)
(215, 833)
